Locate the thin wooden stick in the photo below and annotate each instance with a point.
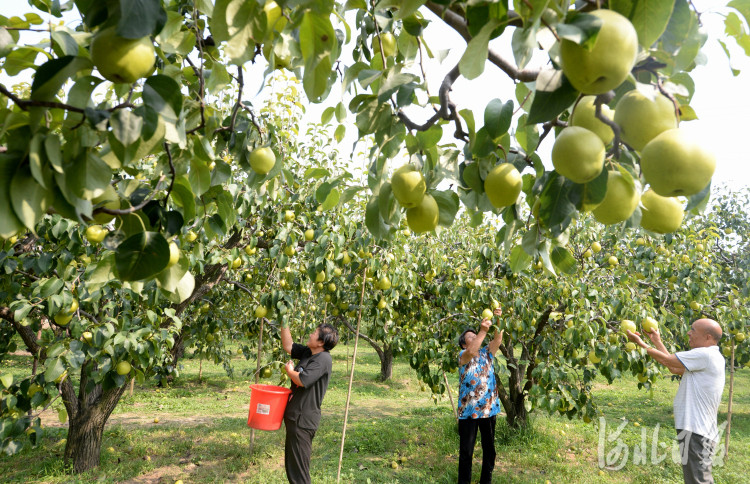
(450, 395)
(351, 374)
(257, 374)
(729, 405)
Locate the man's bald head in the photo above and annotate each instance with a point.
(707, 332)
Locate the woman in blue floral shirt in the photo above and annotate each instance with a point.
(478, 402)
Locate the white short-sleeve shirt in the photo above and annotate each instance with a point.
(697, 401)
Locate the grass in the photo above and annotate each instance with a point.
(395, 434)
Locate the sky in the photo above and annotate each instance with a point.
(720, 101)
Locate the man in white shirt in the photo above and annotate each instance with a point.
(697, 401)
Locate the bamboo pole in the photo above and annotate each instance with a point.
(729, 405)
(351, 374)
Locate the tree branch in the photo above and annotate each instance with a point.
(237, 105)
(458, 23)
(447, 109)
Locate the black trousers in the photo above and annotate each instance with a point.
(467, 432)
(297, 452)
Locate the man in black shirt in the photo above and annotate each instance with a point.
(309, 383)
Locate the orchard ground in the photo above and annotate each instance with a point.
(396, 433)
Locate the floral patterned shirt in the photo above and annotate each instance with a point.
(477, 394)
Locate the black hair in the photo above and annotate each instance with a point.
(328, 335)
(462, 338)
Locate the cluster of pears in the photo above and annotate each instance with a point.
(409, 188)
(671, 162)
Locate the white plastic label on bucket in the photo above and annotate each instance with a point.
(263, 409)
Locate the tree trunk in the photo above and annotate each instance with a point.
(516, 414)
(86, 427)
(386, 363)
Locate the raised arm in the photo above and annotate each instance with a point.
(473, 346)
(673, 364)
(286, 340)
(498, 339)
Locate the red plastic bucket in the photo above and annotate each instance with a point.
(267, 405)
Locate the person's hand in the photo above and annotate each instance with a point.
(498, 311)
(655, 336)
(289, 366)
(636, 338)
(485, 324)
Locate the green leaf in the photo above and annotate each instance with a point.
(142, 256)
(591, 193)
(51, 286)
(170, 278)
(126, 126)
(327, 115)
(53, 152)
(6, 379)
(218, 79)
(404, 8)
(162, 95)
(340, 112)
(102, 273)
(332, 199)
(472, 62)
(140, 18)
(36, 159)
(519, 259)
(448, 204)
(554, 94)
(173, 39)
(339, 133)
(63, 43)
(581, 28)
(241, 24)
(527, 134)
(30, 200)
(183, 196)
(6, 42)
(478, 14)
(54, 369)
(52, 75)
(524, 44)
(563, 260)
(556, 211)
(88, 176)
(375, 224)
(319, 47)
(497, 117)
(650, 19)
(199, 176)
(184, 289)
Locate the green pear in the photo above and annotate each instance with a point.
(584, 115)
(674, 164)
(660, 214)
(620, 201)
(503, 185)
(408, 186)
(122, 60)
(578, 154)
(262, 160)
(608, 62)
(424, 217)
(643, 114)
